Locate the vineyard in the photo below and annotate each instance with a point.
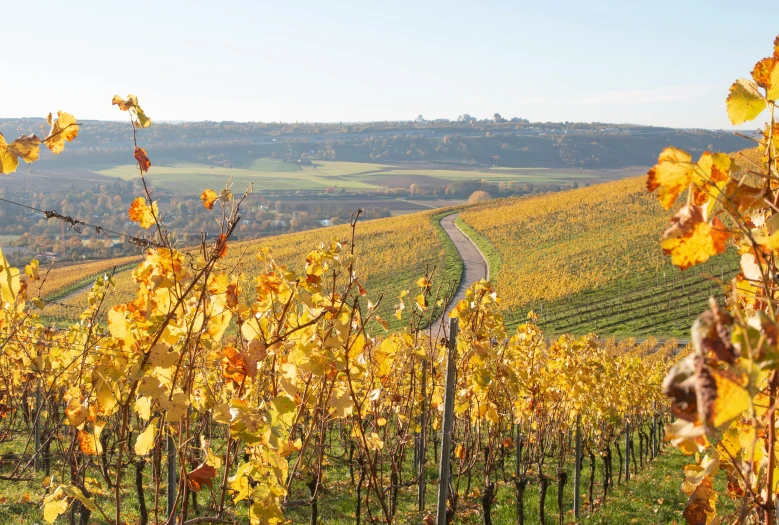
(241, 381)
(586, 260)
(265, 443)
(311, 378)
(393, 253)
(608, 289)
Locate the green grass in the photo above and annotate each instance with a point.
(193, 178)
(453, 265)
(653, 496)
(273, 165)
(492, 175)
(494, 259)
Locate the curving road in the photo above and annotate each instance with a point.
(474, 263)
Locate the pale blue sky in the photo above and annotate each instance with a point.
(649, 62)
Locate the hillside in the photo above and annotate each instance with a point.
(391, 255)
(589, 260)
(510, 143)
(585, 260)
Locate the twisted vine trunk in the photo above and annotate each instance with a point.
(312, 483)
(543, 484)
(562, 479)
(521, 485)
(606, 458)
(140, 464)
(487, 499)
(621, 462)
(395, 482)
(361, 479)
(591, 492)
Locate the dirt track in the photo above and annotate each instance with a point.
(474, 264)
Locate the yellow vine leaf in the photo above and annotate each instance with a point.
(766, 75)
(131, 105)
(145, 441)
(89, 444)
(141, 213)
(142, 407)
(341, 402)
(374, 442)
(731, 400)
(701, 507)
(27, 148)
(54, 506)
(691, 240)
(31, 270)
(744, 101)
(64, 129)
(673, 173)
(424, 282)
(8, 161)
(9, 280)
(209, 197)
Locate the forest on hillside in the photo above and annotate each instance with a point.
(504, 143)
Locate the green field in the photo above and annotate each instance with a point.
(6, 240)
(193, 178)
(275, 175)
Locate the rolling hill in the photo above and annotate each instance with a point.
(589, 260)
(391, 255)
(586, 260)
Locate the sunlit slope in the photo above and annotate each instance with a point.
(589, 259)
(392, 254)
(63, 280)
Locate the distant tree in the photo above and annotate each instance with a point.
(479, 196)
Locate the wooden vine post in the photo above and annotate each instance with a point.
(448, 423)
(577, 470)
(421, 444)
(172, 487)
(627, 452)
(37, 429)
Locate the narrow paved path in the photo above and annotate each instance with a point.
(474, 263)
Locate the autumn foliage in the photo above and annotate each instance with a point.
(725, 393)
(243, 377)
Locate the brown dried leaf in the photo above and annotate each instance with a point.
(143, 161)
(204, 474)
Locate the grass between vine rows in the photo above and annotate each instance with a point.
(653, 496)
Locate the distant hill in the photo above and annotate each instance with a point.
(518, 143)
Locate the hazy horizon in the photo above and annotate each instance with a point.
(351, 62)
(351, 122)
